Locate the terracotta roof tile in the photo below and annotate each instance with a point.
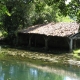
(51, 29)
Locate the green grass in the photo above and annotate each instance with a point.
(0, 34)
(76, 53)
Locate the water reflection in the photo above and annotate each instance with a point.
(25, 71)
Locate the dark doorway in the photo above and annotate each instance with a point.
(58, 43)
(37, 41)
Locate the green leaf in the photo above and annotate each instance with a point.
(8, 13)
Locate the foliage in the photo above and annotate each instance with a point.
(74, 9)
(0, 34)
(15, 17)
(64, 19)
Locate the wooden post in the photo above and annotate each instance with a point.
(35, 41)
(29, 45)
(74, 43)
(46, 42)
(71, 45)
(29, 42)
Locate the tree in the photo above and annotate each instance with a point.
(16, 19)
(45, 11)
(74, 9)
(3, 10)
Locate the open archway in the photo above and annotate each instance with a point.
(37, 41)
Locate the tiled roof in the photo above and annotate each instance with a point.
(54, 29)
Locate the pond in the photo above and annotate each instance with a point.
(20, 70)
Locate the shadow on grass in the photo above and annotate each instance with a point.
(76, 53)
(40, 50)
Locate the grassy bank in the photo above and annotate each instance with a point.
(41, 58)
(52, 57)
(76, 53)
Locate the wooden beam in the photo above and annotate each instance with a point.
(35, 41)
(29, 45)
(77, 38)
(46, 45)
(46, 38)
(71, 45)
(74, 43)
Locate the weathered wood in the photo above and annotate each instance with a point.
(35, 41)
(71, 44)
(75, 43)
(29, 45)
(77, 38)
(73, 39)
(46, 38)
(46, 45)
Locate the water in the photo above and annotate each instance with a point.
(15, 70)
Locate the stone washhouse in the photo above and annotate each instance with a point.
(60, 35)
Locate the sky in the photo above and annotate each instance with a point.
(68, 1)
